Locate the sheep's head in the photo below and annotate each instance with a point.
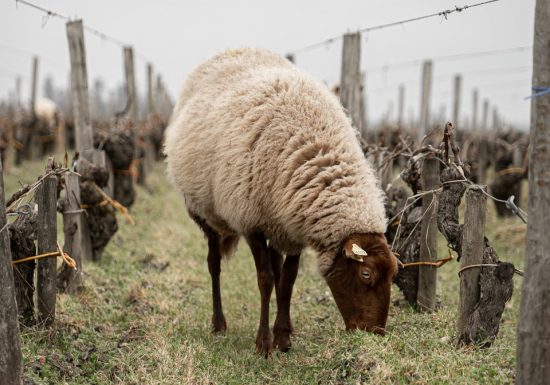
(360, 279)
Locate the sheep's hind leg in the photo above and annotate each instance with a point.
(264, 270)
(282, 329)
(214, 267)
(214, 262)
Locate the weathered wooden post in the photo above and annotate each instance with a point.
(427, 275)
(149, 149)
(34, 84)
(401, 105)
(17, 93)
(70, 279)
(10, 348)
(81, 111)
(350, 79)
(79, 87)
(130, 83)
(457, 89)
(473, 246)
(46, 243)
(475, 97)
(150, 104)
(496, 122)
(485, 116)
(363, 110)
(533, 337)
(132, 110)
(424, 125)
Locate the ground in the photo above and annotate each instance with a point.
(144, 316)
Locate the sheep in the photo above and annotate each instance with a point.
(260, 149)
(46, 110)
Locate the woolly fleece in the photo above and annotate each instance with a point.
(257, 145)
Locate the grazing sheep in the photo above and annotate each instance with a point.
(46, 110)
(260, 149)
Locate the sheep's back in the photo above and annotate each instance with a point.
(256, 144)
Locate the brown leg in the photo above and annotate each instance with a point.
(214, 262)
(283, 325)
(264, 271)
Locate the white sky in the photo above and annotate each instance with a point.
(178, 35)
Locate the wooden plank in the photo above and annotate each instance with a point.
(10, 348)
(79, 87)
(424, 124)
(427, 275)
(47, 242)
(533, 336)
(350, 79)
(473, 246)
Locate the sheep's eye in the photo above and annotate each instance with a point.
(365, 274)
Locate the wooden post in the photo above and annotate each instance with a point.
(130, 83)
(485, 115)
(18, 93)
(10, 348)
(73, 219)
(79, 87)
(457, 88)
(496, 123)
(350, 79)
(150, 104)
(473, 246)
(363, 107)
(475, 97)
(427, 275)
(81, 111)
(401, 105)
(34, 84)
(47, 242)
(533, 336)
(424, 125)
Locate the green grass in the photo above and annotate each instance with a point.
(137, 324)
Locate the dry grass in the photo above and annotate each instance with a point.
(140, 323)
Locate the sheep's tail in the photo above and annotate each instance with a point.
(228, 245)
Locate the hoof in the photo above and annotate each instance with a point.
(282, 341)
(264, 346)
(218, 325)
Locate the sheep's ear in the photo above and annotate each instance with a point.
(354, 251)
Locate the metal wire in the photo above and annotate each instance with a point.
(443, 13)
(93, 31)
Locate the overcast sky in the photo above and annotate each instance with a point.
(178, 35)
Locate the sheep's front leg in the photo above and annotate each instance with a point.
(266, 281)
(282, 329)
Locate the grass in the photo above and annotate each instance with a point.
(139, 322)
